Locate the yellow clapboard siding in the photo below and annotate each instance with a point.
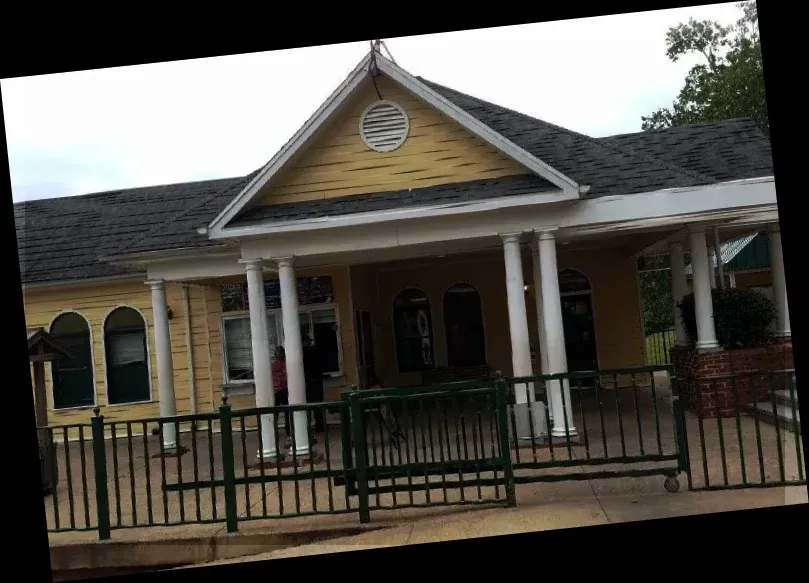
(329, 156)
(383, 172)
(95, 303)
(437, 151)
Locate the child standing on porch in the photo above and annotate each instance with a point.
(279, 383)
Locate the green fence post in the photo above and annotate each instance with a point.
(501, 388)
(345, 436)
(358, 427)
(100, 468)
(228, 471)
(680, 430)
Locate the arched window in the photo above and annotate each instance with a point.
(573, 281)
(463, 322)
(127, 357)
(414, 331)
(73, 382)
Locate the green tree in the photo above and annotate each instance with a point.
(730, 81)
(655, 289)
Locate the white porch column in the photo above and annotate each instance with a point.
(296, 380)
(779, 283)
(543, 340)
(555, 334)
(260, 343)
(720, 266)
(703, 302)
(679, 288)
(712, 264)
(165, 365)
(520, 342)
(732, 279)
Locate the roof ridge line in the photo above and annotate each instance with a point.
(680, 127)
(22, 203)
(606, 144)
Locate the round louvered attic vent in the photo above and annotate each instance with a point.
(384, 126)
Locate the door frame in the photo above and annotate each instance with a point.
(587, 292)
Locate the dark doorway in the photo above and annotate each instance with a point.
(463, 323)
(577, 320)
(363, 330)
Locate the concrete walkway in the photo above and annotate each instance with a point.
(727, 451)
(591, 504)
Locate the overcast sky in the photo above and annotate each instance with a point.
(76, 133)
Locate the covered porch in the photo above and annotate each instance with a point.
(423, 291)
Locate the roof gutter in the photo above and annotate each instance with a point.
(224, 249)
(82, 282)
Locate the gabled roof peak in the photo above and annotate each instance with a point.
(372, 64)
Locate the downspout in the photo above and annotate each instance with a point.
(192, 386)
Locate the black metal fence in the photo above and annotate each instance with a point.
(453, 444)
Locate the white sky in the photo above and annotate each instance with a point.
(75, 133)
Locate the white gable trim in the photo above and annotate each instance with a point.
(342, 93)
(400, 214)
(286, 152)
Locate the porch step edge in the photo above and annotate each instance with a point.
(783, 414)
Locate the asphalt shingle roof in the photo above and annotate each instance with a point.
(727, 150)
(63, 238)
(604, 166)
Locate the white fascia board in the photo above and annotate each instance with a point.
(199, 268)
(372, 218)
(79, 283)
(670, 208)
(635, 211)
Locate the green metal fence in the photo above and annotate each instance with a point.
(460, 443)
(428, 446)
(607, 424)
(742, 431)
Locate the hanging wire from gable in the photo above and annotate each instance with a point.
(373, 68)
(384, 45)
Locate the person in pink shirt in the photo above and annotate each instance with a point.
(279, 383)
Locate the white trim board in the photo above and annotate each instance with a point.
(339, 97)
(659, 209)
(389, 215)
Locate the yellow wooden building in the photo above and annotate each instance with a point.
(410, 231)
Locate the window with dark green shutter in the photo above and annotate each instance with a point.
(127, 355)
(73, 377)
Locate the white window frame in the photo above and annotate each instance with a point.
(225, 366)
(277, 315)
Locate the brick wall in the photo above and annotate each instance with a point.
(713, 383)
